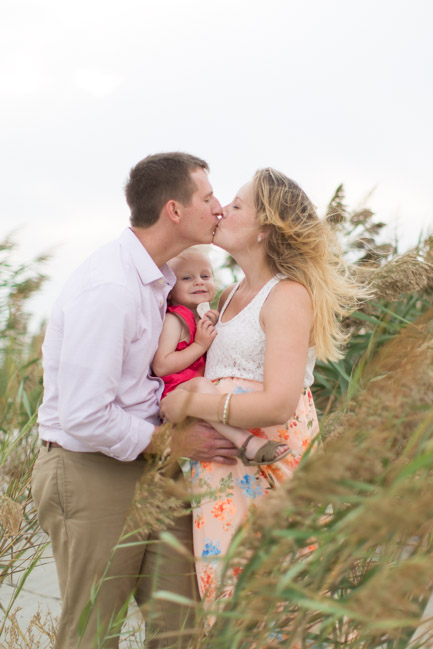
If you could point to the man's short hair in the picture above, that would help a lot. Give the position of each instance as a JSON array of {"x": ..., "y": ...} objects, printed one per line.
[{"x": 157, "y": 179}]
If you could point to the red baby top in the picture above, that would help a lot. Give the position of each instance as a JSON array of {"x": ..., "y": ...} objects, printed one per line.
[{"x": 171, "y": 381}]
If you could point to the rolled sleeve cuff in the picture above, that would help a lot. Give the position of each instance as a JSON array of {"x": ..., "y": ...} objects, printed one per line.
[{"x": 130, "y": 447}]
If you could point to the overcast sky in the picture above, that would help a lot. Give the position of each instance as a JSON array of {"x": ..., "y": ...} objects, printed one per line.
[{"x": 326, "y": 91}]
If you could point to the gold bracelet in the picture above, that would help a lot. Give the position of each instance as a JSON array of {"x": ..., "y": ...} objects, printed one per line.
[
  {"x": 218, "y": 407},
  {"x": 226, "y": 409}
]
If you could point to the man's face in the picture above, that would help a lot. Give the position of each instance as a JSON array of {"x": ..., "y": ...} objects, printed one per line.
[{"x": 200, "y": 218}]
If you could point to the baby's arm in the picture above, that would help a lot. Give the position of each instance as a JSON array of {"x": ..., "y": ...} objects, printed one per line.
[{"x": 169, "y": 361}]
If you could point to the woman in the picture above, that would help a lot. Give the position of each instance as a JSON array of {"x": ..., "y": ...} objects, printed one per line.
[{"x": 272, "y": 326}]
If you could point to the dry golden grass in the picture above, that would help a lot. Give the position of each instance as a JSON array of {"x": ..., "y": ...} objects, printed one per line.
[
  {"x": 40, "y": 633},
  {"x": 343, "y": 552},
  {"x": 408, "y": 273},
  {"x": 342, "y": 555}
]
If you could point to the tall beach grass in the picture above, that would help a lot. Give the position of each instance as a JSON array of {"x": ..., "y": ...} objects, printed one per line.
[{"x": 340, "y": 556}]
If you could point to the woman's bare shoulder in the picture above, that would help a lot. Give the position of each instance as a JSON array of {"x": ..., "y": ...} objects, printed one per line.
[
  {"x": 288, "y": 295},
  {"x": 287, "y": 287}
]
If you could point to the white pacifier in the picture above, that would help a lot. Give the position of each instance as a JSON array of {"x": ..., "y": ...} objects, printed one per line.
[{"x": 203, "y": 308}]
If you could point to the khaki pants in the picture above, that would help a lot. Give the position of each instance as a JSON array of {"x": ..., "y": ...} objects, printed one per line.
[{"x": 82, "y": 501}]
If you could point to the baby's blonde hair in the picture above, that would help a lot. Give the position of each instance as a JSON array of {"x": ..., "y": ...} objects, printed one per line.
[
  {"x": 304, "y": 249},
  {"x": 199, "y": 249}
]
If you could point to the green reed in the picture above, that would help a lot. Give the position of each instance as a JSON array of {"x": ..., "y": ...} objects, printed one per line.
[{"x": 341, "y": 556}]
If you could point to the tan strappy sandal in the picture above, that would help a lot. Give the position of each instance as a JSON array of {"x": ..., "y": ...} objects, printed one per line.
[{"x": 264, "y": 455}]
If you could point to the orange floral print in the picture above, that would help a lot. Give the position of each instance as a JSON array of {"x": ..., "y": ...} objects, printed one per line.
[
  {"x": 199, "y": 521},
  {"x": 222, "y": 509},
  {"x": 225, "y": 496},
  {"x": 206, "y": 466},
  {"x": 208, "y": 582},
  {"x": 258, "y": 432}
]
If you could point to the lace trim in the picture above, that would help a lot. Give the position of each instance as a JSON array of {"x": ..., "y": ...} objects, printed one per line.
[{"x": 239, "y": 348}]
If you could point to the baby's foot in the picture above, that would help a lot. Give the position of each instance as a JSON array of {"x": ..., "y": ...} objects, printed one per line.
[
  {"x": 256, "y": 443},
  {"x": 256, "y": 450}
]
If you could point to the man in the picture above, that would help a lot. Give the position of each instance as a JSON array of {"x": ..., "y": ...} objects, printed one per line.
[{"x": 100, "y": 409}]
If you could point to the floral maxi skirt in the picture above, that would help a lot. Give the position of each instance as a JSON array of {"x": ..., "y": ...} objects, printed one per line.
[{"x": 224, "y": 496}]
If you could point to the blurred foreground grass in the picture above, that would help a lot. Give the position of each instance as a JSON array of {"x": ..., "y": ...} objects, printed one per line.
[{"x": 342, "y": 554}]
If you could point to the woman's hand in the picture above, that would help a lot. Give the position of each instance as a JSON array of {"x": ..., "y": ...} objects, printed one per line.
[{"x": 173, "y": 406}]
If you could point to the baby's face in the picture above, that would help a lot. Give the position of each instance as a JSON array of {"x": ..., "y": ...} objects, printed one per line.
[{"x": 195, "y": 282}]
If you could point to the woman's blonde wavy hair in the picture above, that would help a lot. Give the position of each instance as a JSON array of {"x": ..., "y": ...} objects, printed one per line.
[{"x": 304, "y": 249}]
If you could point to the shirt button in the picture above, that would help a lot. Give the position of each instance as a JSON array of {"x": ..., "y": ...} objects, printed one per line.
[{"x": 161, "y": 282}]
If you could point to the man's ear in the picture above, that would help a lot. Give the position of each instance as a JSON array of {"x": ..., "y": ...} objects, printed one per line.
[{"x": 173, "y": 211}]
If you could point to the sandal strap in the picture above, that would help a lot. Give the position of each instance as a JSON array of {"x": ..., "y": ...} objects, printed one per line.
[
  {"x": 243, "y": 449},
  {"x": 266, "y": 453}
]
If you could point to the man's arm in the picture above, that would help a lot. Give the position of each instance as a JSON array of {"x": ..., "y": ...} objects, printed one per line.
[{"x": 98, "y": 325}]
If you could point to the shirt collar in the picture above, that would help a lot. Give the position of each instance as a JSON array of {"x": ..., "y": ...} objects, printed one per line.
[{"x": 148, "y": 271}]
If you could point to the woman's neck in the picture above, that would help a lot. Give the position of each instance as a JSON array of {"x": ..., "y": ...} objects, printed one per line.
[
  {"x": 256, "y": 276},
  {"x": 257, "y": 272}
]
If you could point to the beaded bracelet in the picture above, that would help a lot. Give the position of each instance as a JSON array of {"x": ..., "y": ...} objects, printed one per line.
[
  {"x": 226, "y": 408},
  {"x": 221, "y": 399}
]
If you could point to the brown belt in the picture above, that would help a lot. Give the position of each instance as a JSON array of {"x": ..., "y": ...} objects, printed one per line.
[{"x": 50, "y": 444}]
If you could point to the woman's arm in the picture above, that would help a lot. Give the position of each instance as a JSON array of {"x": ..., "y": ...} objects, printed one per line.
[
  {"x": 287, "y": 318},
  {"x": 169, "y": 361}
]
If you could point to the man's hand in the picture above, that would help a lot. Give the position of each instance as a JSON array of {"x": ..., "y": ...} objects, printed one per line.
[{"x": 199, "y": 441}]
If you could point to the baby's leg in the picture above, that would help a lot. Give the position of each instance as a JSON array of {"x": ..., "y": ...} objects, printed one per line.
[{"x": 236, "y": 435}]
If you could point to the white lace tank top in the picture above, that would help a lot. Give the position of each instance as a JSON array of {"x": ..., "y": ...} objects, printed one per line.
[{"x": 239, "y": 348}]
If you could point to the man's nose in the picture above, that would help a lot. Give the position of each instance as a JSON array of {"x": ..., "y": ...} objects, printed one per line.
[{"x": 217, "y": 208}]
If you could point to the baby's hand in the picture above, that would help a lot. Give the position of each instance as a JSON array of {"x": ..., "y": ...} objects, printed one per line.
[
  {"x": 212, "y": 315},
  {"x": 205, "y": 333},
  {"x": 204, "y": 311}
]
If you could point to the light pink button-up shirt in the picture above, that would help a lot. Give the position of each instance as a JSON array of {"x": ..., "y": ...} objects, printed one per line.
[{"x": 99, "y": 393}]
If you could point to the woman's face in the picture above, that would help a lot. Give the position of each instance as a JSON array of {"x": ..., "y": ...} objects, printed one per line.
[{"x": 238, "y": 227}]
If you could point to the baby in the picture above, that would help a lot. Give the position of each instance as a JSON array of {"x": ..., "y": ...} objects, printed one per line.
[
  {"x": 186, "y": 336},
  {"x": 187, "y": 333}
]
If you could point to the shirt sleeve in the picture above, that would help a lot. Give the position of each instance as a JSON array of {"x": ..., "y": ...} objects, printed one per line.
[{"x": 98, "y": 325}]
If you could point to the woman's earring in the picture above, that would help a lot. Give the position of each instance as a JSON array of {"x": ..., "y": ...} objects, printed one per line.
[{"x": 259, "y": 238}]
